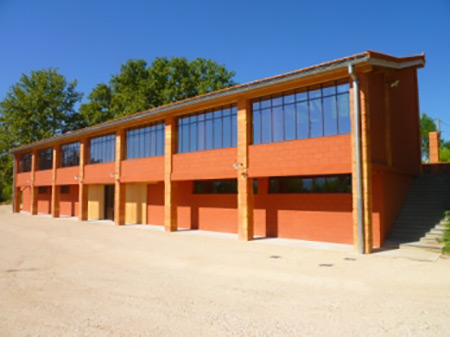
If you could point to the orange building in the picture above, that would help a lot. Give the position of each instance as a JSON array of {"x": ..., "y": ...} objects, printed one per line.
[{"x": 325, "y": 153}]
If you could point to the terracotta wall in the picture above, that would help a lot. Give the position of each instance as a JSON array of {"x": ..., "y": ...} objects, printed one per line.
[
  {"x": 67, "y": 175},
  {"x": 405, "y": 122},
  {"x": 68, "y": 204},
  {"x": 213, "y": 164},
  {"x": 23, "y": 179},
  {"x": 26, "y": 198},
  {"x": 99, "y": 173},
  {"x": 155, "y": 204},
  {"x": 324, "y": 155},
  {"x": 319, "y": 217},
  {"x": 143, "y": 169},
  {"x": 44, "y": 201},
  {"x": 43, "y": 178}
]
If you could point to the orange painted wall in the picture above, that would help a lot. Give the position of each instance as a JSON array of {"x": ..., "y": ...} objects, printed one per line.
[
  {"x": 206, "y": 211},
  {"x": 68, "y": 204},
  {"x": 44, "y": 201},
  {"x": 143, "y": 169},
  {"x": 322, "y": 155},
  {"x": 155, "y": 204},
  {"x": 213, "y": 164},
  {"x": 405, "y": 135},
  {"x": 394, "y": 188},
  {"x": 26, "y": 199},
  {"x": 43, "y": 178},
  {"x": 66, "y": 175},
  {"x": 319, "y": 217},
  {"x": 99, "y": 173},
  {"x": 377, "y": 118},
  {"x": 23, "y": 179}
]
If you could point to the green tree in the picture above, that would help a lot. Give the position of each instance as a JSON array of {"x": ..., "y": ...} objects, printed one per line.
[
  {"x": 40, "y": 105},
  {"x": 139, "y": 87},
  {"x": 444, "y": 151},
  {"x": 427, "y": 125}
]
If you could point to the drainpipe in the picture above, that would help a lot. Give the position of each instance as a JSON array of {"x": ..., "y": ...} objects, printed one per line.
[{"x": 357, "y": 154}]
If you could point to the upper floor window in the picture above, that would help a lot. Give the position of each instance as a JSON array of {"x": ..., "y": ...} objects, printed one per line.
[
  {"x": 315, "y": 111},
  {"x": 102, "y": 149},
  {"x": 45, "y": 159},
  {"x": 25, "y": 162},
  {"x": 315, "y": 184},
  {"x": 209, "y": 130},
  {"x": 70, "y": 154},
  {"x": 147, "y": 141}
]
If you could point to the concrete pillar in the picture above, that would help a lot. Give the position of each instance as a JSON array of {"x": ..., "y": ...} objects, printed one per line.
[
  {"x": 245, "y": 184},
  {"x": 366, "y": 157},
  {"x": 55, "y": 188},
  {"x": 366, "y": 166},
  {"x": 119, "y": 190},
  {"x": 82, "y": 188},
  {"x": 33, "y": 189},
  {"x": 434, "y": 147},
  {"x": 170, "y": 199}
]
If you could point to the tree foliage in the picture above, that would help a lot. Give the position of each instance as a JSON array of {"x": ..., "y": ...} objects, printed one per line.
[
  {"x": 427, "y": 125},
  {"x": 139, "y": 87},
  {"x": 38, "y": 106}
]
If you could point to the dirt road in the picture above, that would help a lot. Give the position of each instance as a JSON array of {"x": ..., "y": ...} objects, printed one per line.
[{"x": 60, "y": 277}]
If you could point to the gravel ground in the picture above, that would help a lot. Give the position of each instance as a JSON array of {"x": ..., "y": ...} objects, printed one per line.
[{"x": 60, "y": 277}]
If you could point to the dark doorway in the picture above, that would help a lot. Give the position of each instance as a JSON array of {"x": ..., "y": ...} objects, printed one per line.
[{"x": 109, "y": 202}]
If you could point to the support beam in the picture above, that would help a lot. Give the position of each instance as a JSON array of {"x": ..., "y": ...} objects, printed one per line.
[
  {"x": 119, "y": 190},
  {"x": 170, "y": 199},
  {"x": 55, "y": 188},
  {"x": 82, "y": 188},
  {"x": 245, "y": 185},
  {"x": 433, "y": 144},
  {"x": 366, "y": 158},
  {"x": 33, "y": 189}
]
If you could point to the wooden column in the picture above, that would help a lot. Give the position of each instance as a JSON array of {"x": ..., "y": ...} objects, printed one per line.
[
  {"x": 433, "y": 143},
  {"x": 366, "y": 158},
  {"x": 170, "y": 199},
  {"x": 119, "y": 190},
  {"x": 245, "y": 186},
  {"x": 16, "y": 190},
  {"x": 55, "y": 188},
  {"x": 82, "y": 188},
  {"x": 33, "y": 189}
]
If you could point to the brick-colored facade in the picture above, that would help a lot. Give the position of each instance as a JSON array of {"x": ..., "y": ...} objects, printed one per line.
[{"x": 390, "y": 154}]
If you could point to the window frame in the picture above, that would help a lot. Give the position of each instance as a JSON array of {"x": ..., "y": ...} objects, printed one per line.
[
  {"x": 282, "y": 182},
  {"x": 69, "y": 147},
  {"x": 101, "y": 147},
  {"x": 48, "y": 163},
  {"x": 149, "y": 137}
]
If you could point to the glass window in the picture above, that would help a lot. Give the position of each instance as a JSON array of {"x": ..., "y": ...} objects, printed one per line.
[
  {"x": 45, "y": 159},
  {"x": 146, "y": 141},
  {"x": 70, "y": 154},
  {"x": 317, "y": 184},
  {"x": 102, "y": 149},
  {"x": 64, "y": 189},
  {"x": 208, "y": 130},
  {"x": 223, "y": 186},
  {"x": 25, "y": 162},
  {"x": 320, "y": 110},
  {"x": 43, "y": 190}
]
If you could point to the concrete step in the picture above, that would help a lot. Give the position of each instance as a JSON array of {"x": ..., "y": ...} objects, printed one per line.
[
  {"x": 420, "y": 246},
  {"x": 431, "y": 242},
  {"x": 433, "y": 236}
]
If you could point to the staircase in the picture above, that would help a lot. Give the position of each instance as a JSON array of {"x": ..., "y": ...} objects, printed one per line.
[{"x": 421, "y": 222}]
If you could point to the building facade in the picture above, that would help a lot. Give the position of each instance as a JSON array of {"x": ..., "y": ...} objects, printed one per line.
[{"x": 325, "y": 153}]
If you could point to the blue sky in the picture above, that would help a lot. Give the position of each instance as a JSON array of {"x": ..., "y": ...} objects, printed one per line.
[{"x": 89, "y": 40}]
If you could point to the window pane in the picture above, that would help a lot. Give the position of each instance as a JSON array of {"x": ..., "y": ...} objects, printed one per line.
[
  {"x": 329, "y": 90},
  {"x": 227, "y": 131},
  {"x": 278, "y": 123},
  {"x": 315, "y": 118},
  {"x": 201, "y": 133},
  {"x": 209, "y": 134},
  {"x": 343, "y": 88},
  {"x": 234, "y": 128},
  {"x": 314, "y": 93},
  {"x": 266, "y": 126},
  {"x": 289, "y": 122},
  {"x": 193, "y": 134},
  {"x": 330, "y": 115},
  {"x": 217, "y": 133},
  {"x": 256, "y": 127},
  {"x": 344, "y": 113},
  {"x": 265, "y": 103},
  {"x": 301, "y": 96},
  {"x": 302, "y": 120}
]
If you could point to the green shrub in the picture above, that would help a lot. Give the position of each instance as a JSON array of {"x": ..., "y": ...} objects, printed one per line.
[{"x": 446, "y": 238}]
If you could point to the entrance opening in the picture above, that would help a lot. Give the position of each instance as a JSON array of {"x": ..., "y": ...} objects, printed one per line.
[{"x": 109, "y": 202}]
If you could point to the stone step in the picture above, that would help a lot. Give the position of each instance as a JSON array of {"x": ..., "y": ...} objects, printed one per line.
[
  {"x": 420, "y": 246},
  {"x": 433, "y": 236},
  {"x": 431, "y": 242}
]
